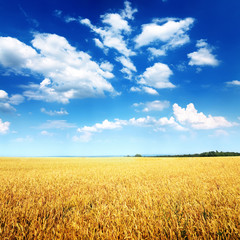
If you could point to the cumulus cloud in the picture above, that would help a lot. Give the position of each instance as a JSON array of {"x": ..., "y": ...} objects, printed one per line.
[
  {"x": 115, "y": 32},
  {"x": 86, "y": 132},
  {"x": 107, "y": 66},
  {"x": 69, "y": 19},
  {"x": 157, "y": 76},
  {"x": 172, "y": 32},
  {"x": 144, "y": 89},
  {"x": 98, "y": 43},
  {"x": 190, "y": 116},
  {"x": 6, "y": 102},
  {"x": 128, "y": 66},
  {"x": 150, "y": 90},
  {"x": 234, "y": 83},
  {"x": 157, "y": 52},
  {"x": 61, "y": 112},
  {"x": 4, "y": 127},
  {"x": 15, "y": 54},
  {"x": 135, "y": 89},
  {"x": 153, "y": 106},
  {"x": 183, "y": 120},
  {"x": 105, "y": 125},
  {"x": 126, "y": 62},
  {"x": 156, "y": 124},
  {"x": 203, "y": 56},
  {"x": 6, "y": 107},
  {"x": 15, "y": 99},
  {"x": 68, "y": 73},
  {"x": 128, "y": 11},
  {"x": 116, "y": 22},
  {"x": 112, "y": 33},
  {"x": 110, "y": 39},
  {"x": 3, "y": 94}
]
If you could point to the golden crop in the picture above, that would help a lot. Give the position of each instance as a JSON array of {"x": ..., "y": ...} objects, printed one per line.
[{"x": 120, "y": 198}]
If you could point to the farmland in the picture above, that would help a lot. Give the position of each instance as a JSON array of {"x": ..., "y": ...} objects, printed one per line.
[{"x": 120, "y": 198}]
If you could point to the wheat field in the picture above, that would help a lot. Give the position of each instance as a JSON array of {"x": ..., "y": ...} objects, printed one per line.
[{"x": 120, "y": 198}]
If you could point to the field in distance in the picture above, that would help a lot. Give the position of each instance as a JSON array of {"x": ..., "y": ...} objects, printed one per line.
[{"x": 120, "y": 198}]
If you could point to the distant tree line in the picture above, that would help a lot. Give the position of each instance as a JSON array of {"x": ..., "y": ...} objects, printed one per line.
[{"x": 206, "y": 154}]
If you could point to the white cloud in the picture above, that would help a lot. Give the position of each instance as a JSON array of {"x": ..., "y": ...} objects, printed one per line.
[
  {"x": 116, "y": 22},
  {"x": 153, "y": 106},
  {"x": 234, "y": 83},
  {"x": 126, "y": 62},
  {"x": 127, "y": 73},
  {"x": 46, "y": 133},
  {"x": 181, "y": 67},
  {"x": 156, "y": 124},
  {"x": 156, "y": 106},
  {"x": 16, "y": 99},
  {"x": 157, "y": 52},
  {"x": 111, "y": 37},
  {"x": 69, "y": 19},
  {"x": 68, "y": 73},
  {"x": 6, "y": 102},
  {"x": 148, "y": 90},
  {"x": 184, "y": 118},
  {"x": 47, "y": 93},
  {"x": 128, "y": 11},
  {"x": 128, "y": 66},
  {"x": 98, "y": 43},
  {"x": 190, "y": 116},
  {"x": 106, "y": 66},
  {"x": 115, "y": 29},
  {"x": 57, "y": 124},
  {"x": 15, "y": 54},
  {"x": 135, "y": 89},
  {"x": 172, "y": 32},
  {"x": 3, "y": 94},
  {"x": 87, "y": 132},
  {"x": 157, "y": 76},
  {"x": 61, "y": 112},
  {"x": 202, "y": 43},
  {"x": 114, "y": 34},
  {"x": 98, "y": 127},
  {"x": 6, "y": 107},
  {"x": 4, "y": 127},
  {"x": 204, "y": 56},
  {"x": 84, "y": 137},
  {"x": 143, "y": 121},
  {"x": 171, "y": 123}
]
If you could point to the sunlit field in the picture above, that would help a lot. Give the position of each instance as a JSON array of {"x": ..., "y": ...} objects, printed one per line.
[{"x": 120, "y": 198}]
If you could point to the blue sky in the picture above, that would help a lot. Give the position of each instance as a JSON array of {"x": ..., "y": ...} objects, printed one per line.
[{"x": 89, "y": 78}]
